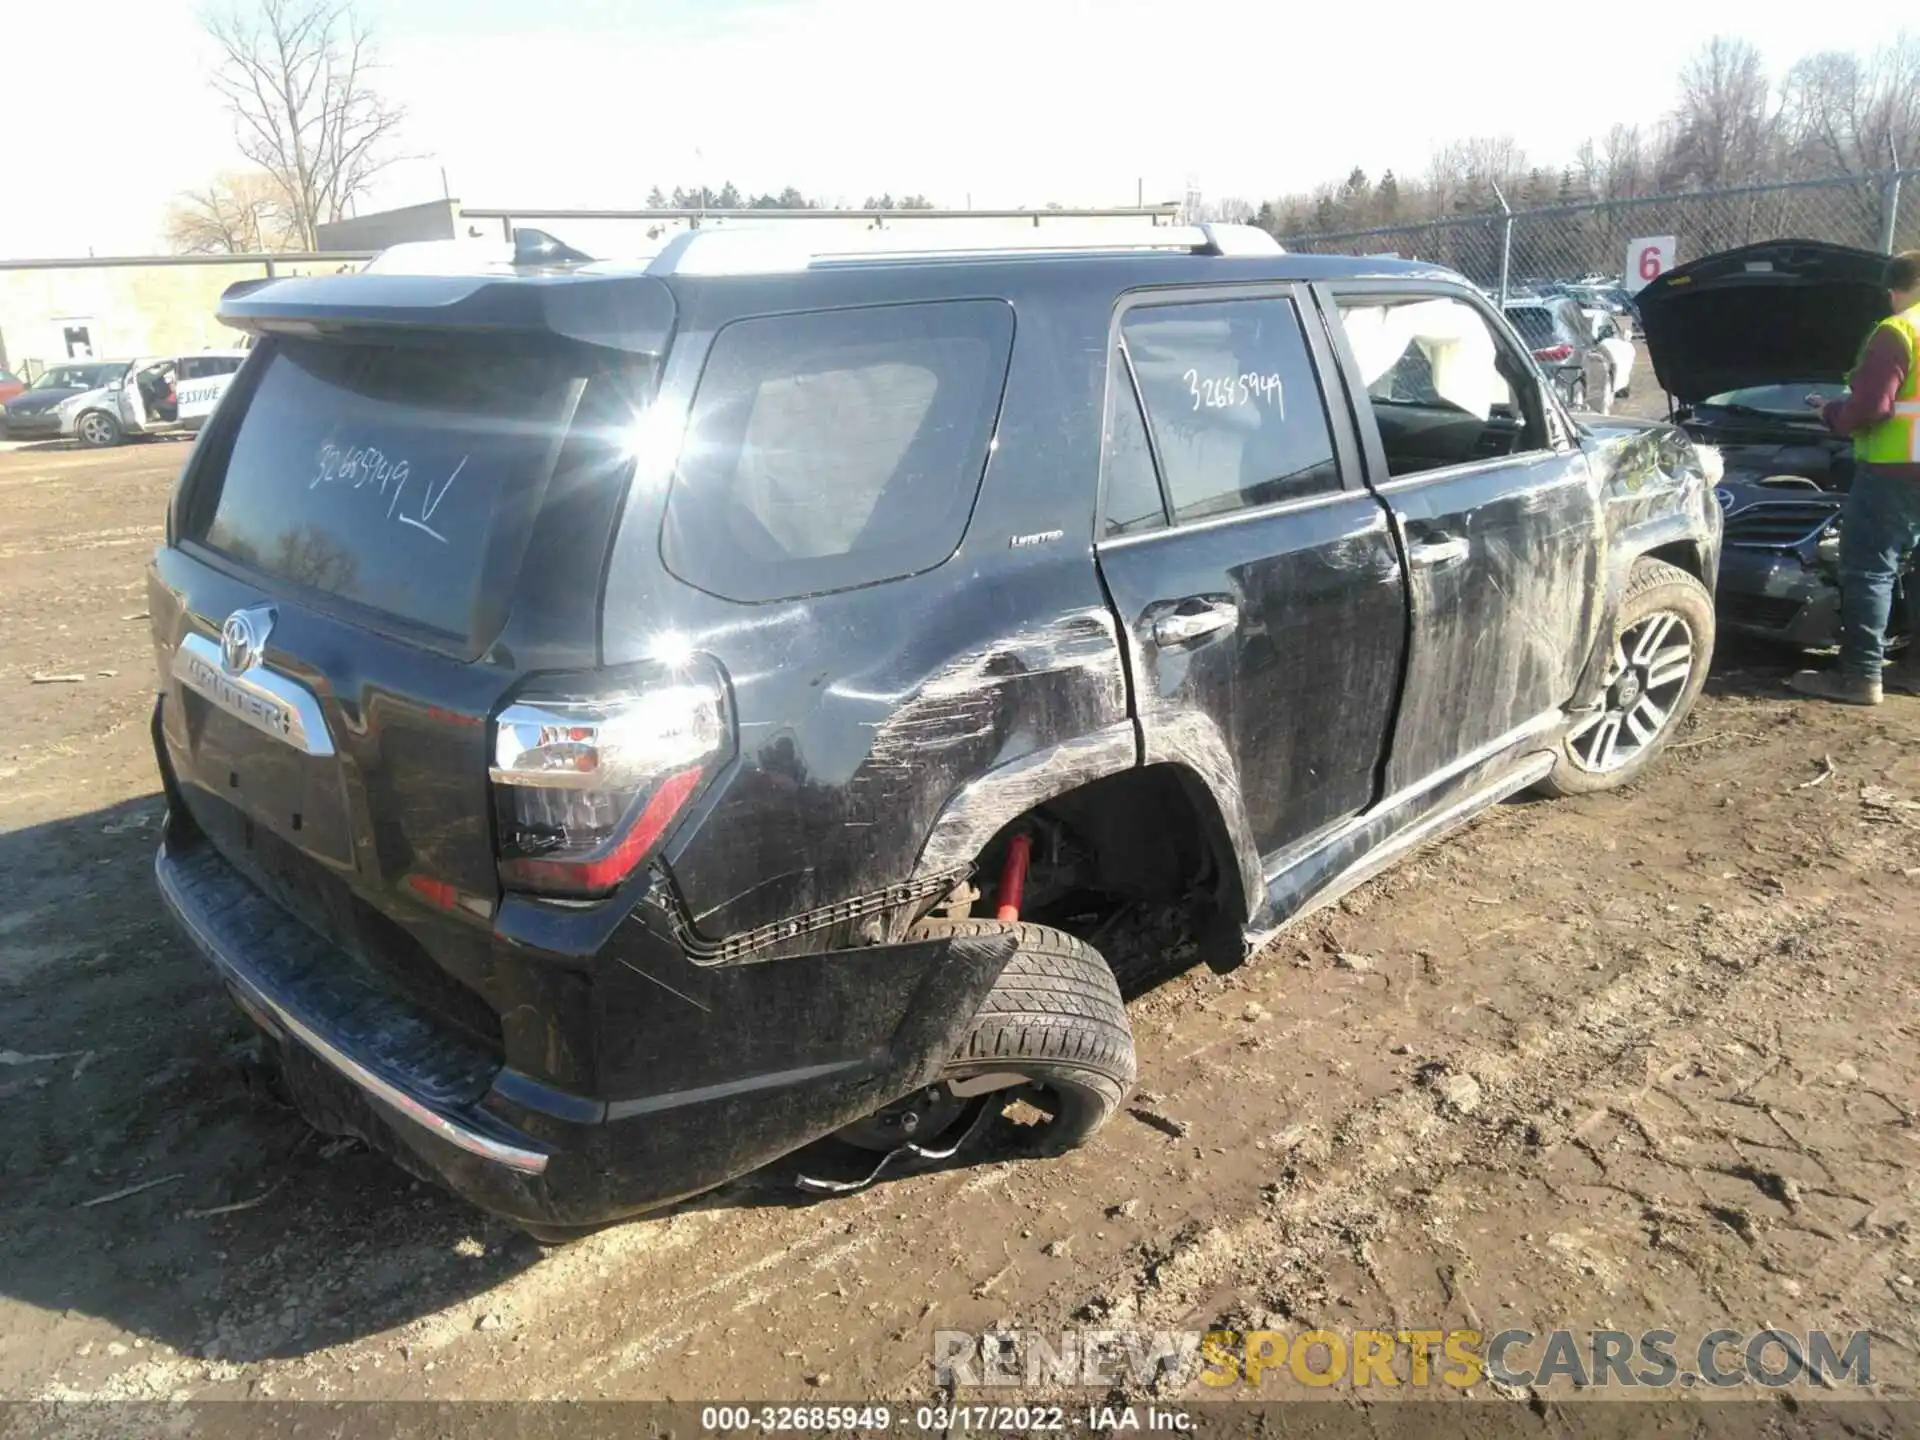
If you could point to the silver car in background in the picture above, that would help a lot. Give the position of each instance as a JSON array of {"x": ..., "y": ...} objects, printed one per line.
[{"x": 101, "y": 402}]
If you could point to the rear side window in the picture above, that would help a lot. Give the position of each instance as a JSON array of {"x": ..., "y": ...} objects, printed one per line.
[
  {"x": 203, "y": 367},
  {"x": 837, "y": 448},
  {"x": 1234, "y": 404},
  {"x": 1535, "y": 325},
  {"x": 392, "y": 477}
]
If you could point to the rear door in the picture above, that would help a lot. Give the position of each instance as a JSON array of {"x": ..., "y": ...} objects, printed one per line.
[
  {"x": 1498, "y": 510},
  {"x": 1257, "y": 578}
]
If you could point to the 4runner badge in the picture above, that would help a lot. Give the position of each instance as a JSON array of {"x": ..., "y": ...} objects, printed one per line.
[{"x": 243, "y": 639}]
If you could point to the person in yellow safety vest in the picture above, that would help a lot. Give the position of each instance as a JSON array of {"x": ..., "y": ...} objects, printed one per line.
[{"x": 1880, "y": 522}]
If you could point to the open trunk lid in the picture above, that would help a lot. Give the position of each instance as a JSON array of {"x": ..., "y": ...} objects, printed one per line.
[{"x": 1780, "y": 312}]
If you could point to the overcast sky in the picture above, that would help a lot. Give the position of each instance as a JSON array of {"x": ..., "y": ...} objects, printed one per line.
[{"x": 1003, "y": 102}]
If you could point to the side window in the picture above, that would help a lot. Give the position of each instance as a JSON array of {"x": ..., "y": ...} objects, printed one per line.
[
  {"x": 835, "y": 448},
  {"x": 1442, "y": 387},
  {"x": 1234, "y": 403},
  {"x": 1133, "y": 490}
]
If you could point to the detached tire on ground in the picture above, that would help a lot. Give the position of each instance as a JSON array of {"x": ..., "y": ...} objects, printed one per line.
[
  {"x": 1662, "y": 646},
  {"x": 1054, "y": 1016}
]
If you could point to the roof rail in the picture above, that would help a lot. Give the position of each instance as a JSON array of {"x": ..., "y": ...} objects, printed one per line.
[{"x": 776, "y": 249}]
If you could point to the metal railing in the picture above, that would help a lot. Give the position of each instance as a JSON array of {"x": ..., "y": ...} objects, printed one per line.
[
  {"x": 1501, "y": 249},
  {"x": 270, "y": 261},
  {"x": 509, "y": 218}
]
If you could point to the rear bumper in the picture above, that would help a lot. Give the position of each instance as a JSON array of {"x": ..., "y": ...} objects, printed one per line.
[
  {"x": 295, "y": 999},
  {"x": 772, "y": 1055}
]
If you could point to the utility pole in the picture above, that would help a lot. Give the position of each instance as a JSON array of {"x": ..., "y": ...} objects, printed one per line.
[
  {"x": 1890, "y": 203},
  {"x": 1506, "y": 243}
]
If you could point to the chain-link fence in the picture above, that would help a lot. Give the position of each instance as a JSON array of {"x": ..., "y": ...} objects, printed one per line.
[{"x": 1503, "y": 250}]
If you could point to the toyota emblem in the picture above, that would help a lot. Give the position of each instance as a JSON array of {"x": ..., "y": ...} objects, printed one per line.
[{"x": 244, "y": 637}]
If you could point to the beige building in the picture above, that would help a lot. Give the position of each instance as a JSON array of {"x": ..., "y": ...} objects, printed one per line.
[{"x": 122, "y": 309}]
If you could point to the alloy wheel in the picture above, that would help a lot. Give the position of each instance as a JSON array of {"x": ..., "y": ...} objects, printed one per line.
[
  {"x": 1652, "y": 663},
  {"x": 94, "y": 429}
]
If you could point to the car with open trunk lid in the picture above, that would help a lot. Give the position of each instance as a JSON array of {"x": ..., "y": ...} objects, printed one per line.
[{"x": 1743, "y": 342}]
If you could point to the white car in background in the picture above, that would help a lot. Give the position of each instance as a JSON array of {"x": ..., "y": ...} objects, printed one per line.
[
  {"x": 155, "y": 395},
  {"x": 1614, "y": 335}
]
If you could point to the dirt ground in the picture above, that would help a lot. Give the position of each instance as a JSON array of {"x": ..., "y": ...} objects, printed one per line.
[{"x": 1640, "y": 1060}]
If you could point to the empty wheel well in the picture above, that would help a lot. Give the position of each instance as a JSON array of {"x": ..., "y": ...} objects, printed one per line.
[
  {"x": 1148, "y": 839},
  {"x": 1682, "y": 555}
]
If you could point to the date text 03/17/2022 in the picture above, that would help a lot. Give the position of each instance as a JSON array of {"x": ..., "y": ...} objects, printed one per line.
[{"x": 943, "y": 1419}]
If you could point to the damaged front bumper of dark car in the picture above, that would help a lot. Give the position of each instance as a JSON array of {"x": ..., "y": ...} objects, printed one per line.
[{"x": 1779, "y": 563}]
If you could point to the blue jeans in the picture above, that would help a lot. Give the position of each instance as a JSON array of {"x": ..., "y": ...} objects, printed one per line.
[{"x": 1879, "y": 528}]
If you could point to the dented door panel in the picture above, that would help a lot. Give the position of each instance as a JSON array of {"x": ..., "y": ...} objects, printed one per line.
[
  {"x": 1503, "y": 566},
  {"x": 1503, "y": 553},
  {"x": 1293, "y": 702}
]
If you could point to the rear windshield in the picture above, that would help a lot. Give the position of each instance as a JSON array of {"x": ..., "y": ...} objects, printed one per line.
[
  {"x": 385, "y": 475},
  {"x": 1535, "y": 325},
  {"x": 836, "y": 448}
]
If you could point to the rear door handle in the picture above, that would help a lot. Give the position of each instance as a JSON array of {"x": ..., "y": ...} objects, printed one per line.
[
  {"x": 1183, "y": 627},
  {"x": 1440, "y": 552}
]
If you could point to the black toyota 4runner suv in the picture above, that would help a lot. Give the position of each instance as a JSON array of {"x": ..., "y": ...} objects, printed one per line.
[{"x": 622, "y": 724}]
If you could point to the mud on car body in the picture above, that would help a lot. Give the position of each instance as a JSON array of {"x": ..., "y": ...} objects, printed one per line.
[
  {"x": 1739, "y": 341},
  {"x": 622, "y": 724}
]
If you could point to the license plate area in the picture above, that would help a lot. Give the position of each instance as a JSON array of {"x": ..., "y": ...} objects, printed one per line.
[{"x": 299, "y": 797}]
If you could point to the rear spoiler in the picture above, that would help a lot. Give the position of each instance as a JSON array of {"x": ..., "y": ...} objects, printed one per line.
[{"x": 629, "y": 313}]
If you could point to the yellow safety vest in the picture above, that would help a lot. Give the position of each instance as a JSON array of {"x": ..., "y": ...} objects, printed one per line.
[{"x": 1896, "y": 440}]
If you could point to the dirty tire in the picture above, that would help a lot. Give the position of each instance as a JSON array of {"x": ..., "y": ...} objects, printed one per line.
[
  {"x": 1654, "y": 588},
  {"x": 1055, "y": 1015},
  {"x": 554, "y": 1236},
  {"x": 97, "y": 430}
]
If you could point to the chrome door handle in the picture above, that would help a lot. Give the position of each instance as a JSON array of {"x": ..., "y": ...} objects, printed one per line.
[
  {"x": 1185, "y": 626},
  {"x": 1439, "y": 552}
]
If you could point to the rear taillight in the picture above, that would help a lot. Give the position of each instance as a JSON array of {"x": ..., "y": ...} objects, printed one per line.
[
  {"x": 1553, "y": 352},
  {"x": 588, "y": 779}
]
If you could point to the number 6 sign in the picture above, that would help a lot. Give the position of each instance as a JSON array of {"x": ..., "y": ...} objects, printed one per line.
[{"x": 1648, "y": 258}]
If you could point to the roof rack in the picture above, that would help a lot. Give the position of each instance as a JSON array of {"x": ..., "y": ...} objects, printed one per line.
[{"x": 777, "y": 249}]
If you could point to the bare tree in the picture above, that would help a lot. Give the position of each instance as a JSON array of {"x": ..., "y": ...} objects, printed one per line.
[
  {"x": 297, "y": 79},
  {"x": 1724, "y": 123},
  {"x": 1228, "y": 209},
  {"x": 1848, "y": 115},
  {"x": 1462, "y": 173},
  {"x": 240, "y": 213}
]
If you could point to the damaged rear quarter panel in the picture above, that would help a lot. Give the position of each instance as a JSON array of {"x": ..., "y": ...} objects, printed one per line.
[{"x": 862, "y": 713}]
